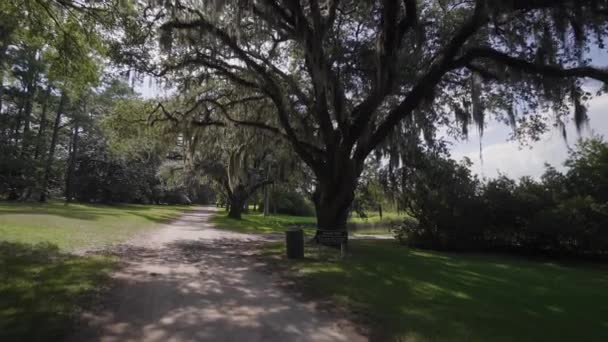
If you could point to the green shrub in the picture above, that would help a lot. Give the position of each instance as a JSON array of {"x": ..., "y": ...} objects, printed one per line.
[
  {"x": 560, "y": 214},
  {"x": 409, "y": 232},
  {"x": 289, "y": 203}
]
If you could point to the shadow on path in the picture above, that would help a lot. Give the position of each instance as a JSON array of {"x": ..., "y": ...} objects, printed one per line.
[{"x": 190, "y": 282}]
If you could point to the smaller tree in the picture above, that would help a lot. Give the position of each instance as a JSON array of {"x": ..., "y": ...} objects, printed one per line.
[
  {"x": 238, "y": 172},
  {"x": 238, "y": 160},
  {"x": 443, "y": 196},
  {"x": 588, "y": 169}
]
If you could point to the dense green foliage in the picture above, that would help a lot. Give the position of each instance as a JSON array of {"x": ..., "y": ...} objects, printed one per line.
[
  {"x": 58, "y": 103},
  {"x": 562, "y": 213},
  {"x": 413, "y": 295},
  {"x": 282, "y": 201},
  {"x": 50, "y": 59},
  {"x": 342, "y": 80}
]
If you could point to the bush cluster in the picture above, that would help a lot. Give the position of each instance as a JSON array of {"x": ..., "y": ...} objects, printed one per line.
[
  {"x": 562, "y": 213},
  {"x": 289, "y": 203}
]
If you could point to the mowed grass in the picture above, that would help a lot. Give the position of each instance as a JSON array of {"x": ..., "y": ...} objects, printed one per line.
[
  {"x": 413, "y": 295},
  {"x": 42, "y": 284},
  {"x": 374, "y": 218},
  {"x": 42, "y": 289},
  {"x": 79, "y": 226},
  {"x": 256, "y": 223}
]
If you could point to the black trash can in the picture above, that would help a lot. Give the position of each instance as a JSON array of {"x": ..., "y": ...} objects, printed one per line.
[{"x": 294, "y": 243}]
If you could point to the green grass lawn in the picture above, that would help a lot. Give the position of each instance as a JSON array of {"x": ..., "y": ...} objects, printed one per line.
[
  {"x": 374, "y": 218},
  {"x": 77, "y": 226},
  {"x": 413, "y": 295},
  {"x": 258, "y": 224},
  {"x": 42, "y": 285},
  {"x": 42, "y": 289}
]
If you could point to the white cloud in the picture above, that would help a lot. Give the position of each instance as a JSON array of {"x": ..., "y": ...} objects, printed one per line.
[
  {"x": 500, "y": 155},
  {"x": 149, "y": 88}
]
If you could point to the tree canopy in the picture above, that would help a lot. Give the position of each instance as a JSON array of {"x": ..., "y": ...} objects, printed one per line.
[{"x": 346, "y": 78}]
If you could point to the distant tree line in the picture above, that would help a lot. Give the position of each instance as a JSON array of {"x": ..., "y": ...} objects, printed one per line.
[
  {"x": 60, "y": 111},
  {"x": 561, "y": 213}
]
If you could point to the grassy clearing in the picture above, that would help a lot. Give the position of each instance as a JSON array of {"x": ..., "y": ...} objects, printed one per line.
[
  {"x": 414, "y": 295},
  {"x": 42, "y": 286},
  {"x": 374, "y": 218},
  {"x": 77, "y": 226},
  {"x": 256, "y": 223}
]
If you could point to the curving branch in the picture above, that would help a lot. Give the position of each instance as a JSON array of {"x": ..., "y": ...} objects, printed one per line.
[
  {"x": 527, "y": 5},
  {"x": 270, "y": 86},
  {"x": 530, "y": 67},
  {"x": 391, "y": 40},
  {"x": 260, "y": 125},
  {"x": 426, "y": 84}
]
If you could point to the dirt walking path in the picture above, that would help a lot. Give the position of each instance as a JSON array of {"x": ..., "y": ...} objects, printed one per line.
[{"x": 191, "y": 282}]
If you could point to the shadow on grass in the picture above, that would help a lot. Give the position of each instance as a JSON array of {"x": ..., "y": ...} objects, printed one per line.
[
  {"x": 418, "y": 295},
  {"x": 42, "y": 288}
]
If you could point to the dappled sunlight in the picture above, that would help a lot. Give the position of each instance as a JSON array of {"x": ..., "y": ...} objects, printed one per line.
[
  {"x": 192, "y": 282},
  {"x": 431, "y": 291},
  {"x": 157, "y": 213},
  {"x": 422, "y": 295},
  {"x": 41, "y": 284},
  {"x": 429, "y": 255},
  {"x": 209, "y": 298},
  {"x": 79, "y": 226}
]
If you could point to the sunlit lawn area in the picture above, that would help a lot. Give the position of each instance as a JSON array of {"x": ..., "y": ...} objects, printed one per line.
[
  {"x": 258, "y": 224},
  {"x": 76, "y": 226},
  {"x": 415, "y": 295},
  {"x": 41, "y": 285},
  {"x": 255, "y": 222},
  {"x": 374, "y": 217}
]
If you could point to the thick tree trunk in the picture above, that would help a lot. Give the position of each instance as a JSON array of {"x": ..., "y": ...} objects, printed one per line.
[
  {"x": 333, "y": 197},
  {"x": 274, "y": 201},
  {"x": 266, "y": 201},
  {"x": 40, "y": 144},
  {"x": 236, "y": 207},
  {"x": 40, "y": 141},
  {"x": 332, "y": 208},
  {"x": 51, "y": 154},
  {"x": 1, "y": 87},
  {"x": 17, "y": 188},
  {"x": 2, "y": 55},
  {"x": 27, "y": 116},
  {"x": 17, "y": 124},
  {"x": 69, "y": 178}
]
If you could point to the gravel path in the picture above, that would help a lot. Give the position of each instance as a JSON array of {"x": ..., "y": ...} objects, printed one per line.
[{"x": 191, "y": 282}]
